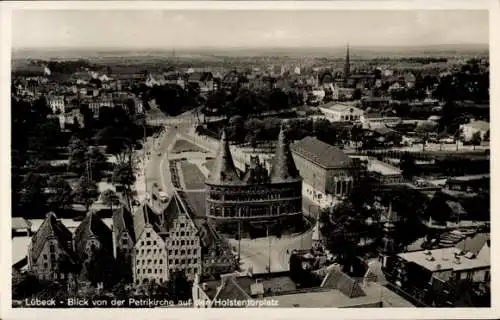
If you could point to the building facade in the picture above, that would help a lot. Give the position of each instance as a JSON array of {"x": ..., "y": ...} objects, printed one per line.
[
  {"x": 48, "y": 245},
  {"x": 166, "y": 241},
  {"x": 256, "y": 194},
  {"x": 341, "y": 112},
  {"x": 326, "y": 170}
]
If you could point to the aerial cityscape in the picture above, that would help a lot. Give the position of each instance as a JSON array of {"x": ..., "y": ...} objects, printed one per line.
[{"x": 288, "y": 162}]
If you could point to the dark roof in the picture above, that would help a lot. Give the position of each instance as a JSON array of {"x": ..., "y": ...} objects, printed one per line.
[
  {"x": 92, "y": 226},
  {"x": 123, "y": 221},
  {"x": 336, "y": 279},
  {"x": 51, "y": 228},
  {"x": 321, "y": 153},
  {"x": 223, "y": 169},
  {"x": 283, "y": 167},
  {"x": 231, "y": 290}
]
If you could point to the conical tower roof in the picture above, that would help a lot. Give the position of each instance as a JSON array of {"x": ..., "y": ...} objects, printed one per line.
[
  {"x": 223, "y": 170},
  {"x": 283, "y": 167}
]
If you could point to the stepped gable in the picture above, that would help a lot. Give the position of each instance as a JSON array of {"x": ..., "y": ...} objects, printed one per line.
[
  {"x": 224, "y": 171},
  {"x": 123, "y": 221},
  {"x": 51, "y": 228},
  {"x": 93, "y": 227},
  {"x": 255, "y": 173},
  {"x": 283, "y": 167}
]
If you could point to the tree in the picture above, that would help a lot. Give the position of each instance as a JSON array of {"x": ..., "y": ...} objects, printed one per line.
[
  {"x": 408, "y": 166},
  {"x": 77, "y": 150},
  {"x": 486, "y": 136},
  {"x": 457, "y": 136},
  {"x": 60, "y": 193},
  {"x": 476, "y": 139},
  {"x": 98, "y": 267},
  {"x": 86, "y": 191},
  {"x": 123, "y": 175},
  {"x": 424, "y": 129},
  {"x": 33, "y": 201},
  {"x": 109, "y": 197},
  {"x": 96, "y": 162}
]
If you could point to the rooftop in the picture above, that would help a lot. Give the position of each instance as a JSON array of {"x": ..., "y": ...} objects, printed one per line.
[
  {"x": 321, "y": 153},
  {"x": 335, "y": 106},
  {"x": 444, "y": 259},
  {"x": 382, "y": 168}
]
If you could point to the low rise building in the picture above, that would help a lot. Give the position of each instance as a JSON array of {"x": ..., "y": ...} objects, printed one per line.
[
  {"x": 333, "y": 290},
  {"x": 469, "y": 259},
  {"x": 374, "y": 120},
  {"x": 56, "y": 104},
  {"x": 335, "y": 112},
  {"x": 327, "y": 172}
]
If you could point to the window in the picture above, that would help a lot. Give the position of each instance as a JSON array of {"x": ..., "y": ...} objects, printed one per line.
[
  {"x": 149, "y": 270},
  {"x": 167, "y": 235},
  {"x": 169, "y": 252},
  {"x": 149, "y": 261},
  {"x": 187, "y": 234},
  {"x": 154, "y": 242},
  {"x": 183, "y": 261},
  {"x": 148, "y": 243},
  {"x": 144, "y": 271},
  {"x": 142, "y": 243},
  {"x": 148, "y": 234},
  {"x": 183, "y": 252},
  {"x": 177, "y": 234},
  {"x": 148, "y": 251},
  {"x": 142, "y": 251},
  {"x": 195, "y": 270},
  {"x": 194, "y": 251},
  {"x": 189, "y": 270},
  {"x": 156, "y": 270},
  {"x": 138, "y": 271},
  {"x": 189, "y": 251},
  {"x": 192, "y": 242},
  {"x": 45, "y": 265},
  {"x": 176, "y": 252},
  {"x": 161, "y": 261},
  {"x": 170, "y": 261},
  {"x": 52, "y": 248},
  {"x": 182, "y": 225},
  {"x": 154, "y": 251},
  {"x": 182, "y": 242},
  {"x": 124, "y": 242},
  {"x": 170, "y": 271},
  {"x": 189, "y": 261},
  {"x": 154, "y": 261},
  {"x": 176, "y": 261},
  {"x": 195, "y": 261},
  {"x": 161, "y": 271},
  {"x": 44, "y": 257},
  {"x": 182, "y": 233}
]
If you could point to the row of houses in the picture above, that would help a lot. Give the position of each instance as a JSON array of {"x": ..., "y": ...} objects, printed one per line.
[{"x": 150, "y": 244}]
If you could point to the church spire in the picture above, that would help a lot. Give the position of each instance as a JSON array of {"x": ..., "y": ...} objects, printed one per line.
[
  {"x": 283, "y": 166},
  {"x": 347, "y": 66},
  {"x": 223, "y": 170},
  {"x": 388, "y": 242}
]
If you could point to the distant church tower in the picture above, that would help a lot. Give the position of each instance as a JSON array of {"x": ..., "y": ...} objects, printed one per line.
[{"x": 347, "y": 67}]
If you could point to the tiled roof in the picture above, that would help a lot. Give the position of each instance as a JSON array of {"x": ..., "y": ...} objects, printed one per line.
[
  {"x": 123, "y": 221},
  {"x": 323, "y": 154},
  {"x": 92, "y": 226},
  {"x": 51, "y": 227},
  {"x": 223, "y": 169},
  {"x": 336, "y": 279},
  {"x": 283, "y": 167}
]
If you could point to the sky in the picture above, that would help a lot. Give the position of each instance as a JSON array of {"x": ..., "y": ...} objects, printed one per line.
[{"x": 157, "y": 29}]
